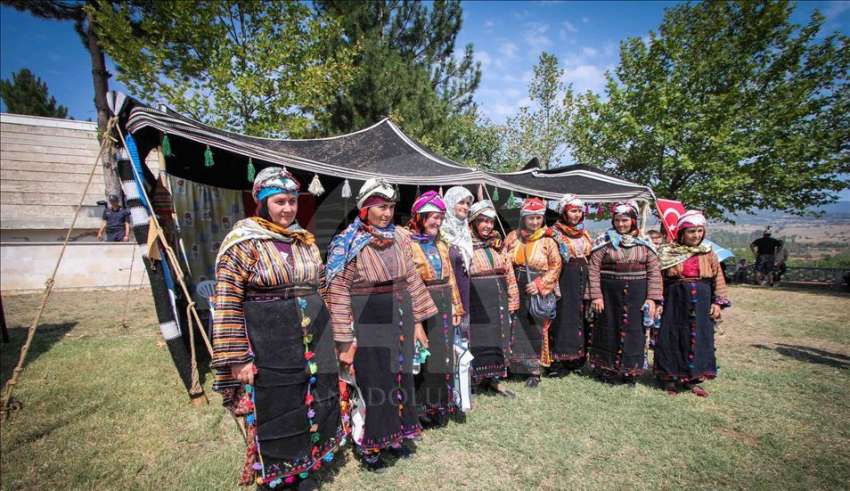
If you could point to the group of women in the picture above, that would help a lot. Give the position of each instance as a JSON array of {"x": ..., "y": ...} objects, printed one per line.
[{"x": 362, "y": 346}]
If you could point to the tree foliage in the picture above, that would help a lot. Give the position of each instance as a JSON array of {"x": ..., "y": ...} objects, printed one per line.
[
  {"x": 540, "y": 130},
  {"x": 263, "y": 68},
  {"x": 24, "y": 93},
  {"x": 729, "y": 107}
]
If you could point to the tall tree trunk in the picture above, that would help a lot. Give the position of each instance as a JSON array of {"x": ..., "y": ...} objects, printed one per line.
[{"x": 100, "y": 78}]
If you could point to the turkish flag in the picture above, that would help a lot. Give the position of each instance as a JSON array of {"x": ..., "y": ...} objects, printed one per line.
[{"x": 670, "y": 211}]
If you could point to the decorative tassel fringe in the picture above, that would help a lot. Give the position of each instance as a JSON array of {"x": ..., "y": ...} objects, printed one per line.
[
  {"x": 480, "y": 192},
  {"x": 441, "y": 190},
  {"x": 495, "y": 195},
  {"x": 316, "y": 188},
  {"x": 208, "y": 157},
  {"x": 346, "y": 189},
  {"x": 166, "y": 146},
  {"x": 511, "y": 202},
  {"x": 252, "y": 172}
]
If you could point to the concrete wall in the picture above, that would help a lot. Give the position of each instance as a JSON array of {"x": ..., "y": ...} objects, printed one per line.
[{"x": 25, "y": 266}]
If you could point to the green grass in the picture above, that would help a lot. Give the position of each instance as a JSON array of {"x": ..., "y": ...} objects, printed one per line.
[{"x": 103, "y": 408}]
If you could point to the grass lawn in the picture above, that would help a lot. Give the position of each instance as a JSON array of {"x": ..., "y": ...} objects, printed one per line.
[{"x": 103, "y": 409}]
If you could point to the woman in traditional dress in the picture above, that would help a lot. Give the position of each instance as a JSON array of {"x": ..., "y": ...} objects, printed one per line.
[
  {"x": 537, "y": 265},
  {"x": 455, "y": 231},
  {"x": 435, "y": 381},
  {"x": 567, "y": 336},
  {"x": 624, "y": 280},
  {"x": 493, "y": 299},
  {"x": 273, "y": 362},
  {"x": 377, "y": 303},
  {"x": 694, "y": 294}
]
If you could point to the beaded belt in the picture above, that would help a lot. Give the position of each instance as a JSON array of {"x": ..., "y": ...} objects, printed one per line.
[{"x": 280, "y": 292}]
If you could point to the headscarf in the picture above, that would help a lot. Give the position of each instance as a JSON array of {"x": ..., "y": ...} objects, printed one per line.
[
  {"x": 532, "y": 207},
  {"x": 261, "y": 229},
  {"x": 274, "y": 180},
  {"x": 346, "y": 245},
  {"x": 569, "y": 201},
  {"x": 674, "y": 253},
  {"x": 455, "y": 230},
  {"x": 566, "y": 203},
  {"x": 690, "y": 218},
  {"x": 429, "y": 202},
  {"x": 632, "y": 238},
  {"x": 483, "y": 208}
]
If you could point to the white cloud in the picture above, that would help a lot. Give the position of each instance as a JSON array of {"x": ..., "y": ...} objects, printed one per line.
[
  {"x": 835, "y": 9},
  {"x": 483, "y": 57},
  {"x": 569, "y": 27},
  {"x": 535, "y": 35},
  {"x": 586, "y": 77},
  {"x": 508, "y": 49},
  {"x": 585, "y": 20},
  {"x": 589, "y": 52},
  {"x": 488, "y": 24}
]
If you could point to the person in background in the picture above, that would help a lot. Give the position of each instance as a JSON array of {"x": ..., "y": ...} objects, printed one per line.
[
  {"x": 779, "y": 265},
  {"x": 741, "y": 274},
  {"x": 764, "y": 250},
  {"x": 656, "y": 237},
  {"x": 116, "y": 221}
]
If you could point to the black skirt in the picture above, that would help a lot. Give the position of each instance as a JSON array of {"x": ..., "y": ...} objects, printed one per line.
[
  {"x": 684, "y": 346},
  {"x": 384, "y": 327},
  {"x": 435, "y": 381},
  {"x": 618, "y": 339},
  {"x": 296, "y": 409},
  {"x": 568, "y": 330},
  {"x": 528, "y": 333},
  {"x": 490, "y": 327}
]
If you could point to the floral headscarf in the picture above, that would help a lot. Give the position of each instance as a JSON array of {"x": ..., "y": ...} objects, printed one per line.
[
  {"x": 274, "y": 180},
  {"x": 455, "y": 230}
]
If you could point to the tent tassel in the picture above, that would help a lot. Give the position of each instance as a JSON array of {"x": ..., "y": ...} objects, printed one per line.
[
  {"x": 511, "y": 202},
  {"x": 441, "y": 190},
  {"x": 315, "y": 187},
  {"x": 208, "y": 157},
  {"x": 252, "y": 172},
  {"x": 346, "y": 189},
  {"x": 480, "y": 192},
  {"x": 166, "y": 146},
  {"x": 495, "y": 195}
]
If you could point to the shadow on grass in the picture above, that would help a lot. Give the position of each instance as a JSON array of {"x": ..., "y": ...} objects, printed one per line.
[
  {"x": 809, "y": 355},
  {"x": 819, "y": 289},
  {"x": 44, "y": 430},
  {"x": 45, "y": 337}
]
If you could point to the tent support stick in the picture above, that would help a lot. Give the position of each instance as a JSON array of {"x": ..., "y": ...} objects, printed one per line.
[
  {"x": 499, "y": 220},
  {"x": 9, "y": 388},
  {"x": 129, "y": 285}
]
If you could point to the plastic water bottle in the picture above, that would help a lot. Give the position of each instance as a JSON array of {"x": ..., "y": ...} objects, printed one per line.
[
  {"x": 648, "y": 321},
  {"x": 417, "y": 363}
]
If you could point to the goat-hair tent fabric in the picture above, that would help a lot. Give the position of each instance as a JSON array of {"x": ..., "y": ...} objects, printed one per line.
[{"x": 381, "y": 150}]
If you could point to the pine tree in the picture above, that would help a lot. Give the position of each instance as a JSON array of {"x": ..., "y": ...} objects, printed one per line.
[{"x": 24, "y": 93}]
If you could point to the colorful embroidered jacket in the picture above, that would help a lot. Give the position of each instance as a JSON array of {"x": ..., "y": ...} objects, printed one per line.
[
  {"x": 427, "y": 273},
  {"x": 252, "y": 263},
  {"x": 637, "y": 261},
  {"x": 372, "y": 266},
  {"x": 487, "y": 261},
  {"x": 540, "y": 255},
  {"x": 708, "y": 267}
]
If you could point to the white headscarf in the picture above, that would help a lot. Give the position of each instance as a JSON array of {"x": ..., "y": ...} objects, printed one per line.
[{"x": 454, "y": 230}]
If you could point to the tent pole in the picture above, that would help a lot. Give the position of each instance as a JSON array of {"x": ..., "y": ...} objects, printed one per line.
[
  {"x": 9, "y": 388},
  {"x": 498, "y": 220}
]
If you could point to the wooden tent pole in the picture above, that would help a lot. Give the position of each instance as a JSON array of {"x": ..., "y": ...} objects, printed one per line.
[
  {"x": 9, "y": 388},
  {"x": 499, "y": 220}
]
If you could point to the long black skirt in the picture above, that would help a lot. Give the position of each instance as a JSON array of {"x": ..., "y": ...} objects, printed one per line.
[
  {"x": 684, "y": 346},
  {"x": 435, "y": 381},
  {"x": 568, "y": 331},
  {"x": 529, "y": 337},
  {"x": 383, "y": 364},
  {"x": 490, "y": 327},
  {"x": 618, "y": 339},
  {"x": 296, "y": 388}
]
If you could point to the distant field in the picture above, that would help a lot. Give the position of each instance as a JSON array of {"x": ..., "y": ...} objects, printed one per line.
[{"x": 103, "y": 409}]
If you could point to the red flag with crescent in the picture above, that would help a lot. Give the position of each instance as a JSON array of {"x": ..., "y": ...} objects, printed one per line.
[{"x": 670, "y": 211}]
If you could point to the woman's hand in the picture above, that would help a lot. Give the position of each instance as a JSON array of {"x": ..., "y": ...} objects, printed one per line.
[
  {"x": 598, "y": 305},
  {"x": 346, "y": 353},
  {"x": 531, "y": 288},
  {"x": 658, "y": 311},
  {"x": 650, "y": 304},
  {"x": 419, "y": 335},
  {"x": 243, "y": 372},
  {"x": 456, "y": 320},
  {"x": 714, "y": 312}
]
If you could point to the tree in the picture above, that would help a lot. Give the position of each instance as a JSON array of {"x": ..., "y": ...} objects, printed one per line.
[
  {"x": 79, "y": 12},
  {"x": 540, "y": 131},
  {"x": 407, "y": 68},
  {"x": 25, "y": 93},
  {"x": 263, "y": 68},
  {"x": 728, "y": 108}
]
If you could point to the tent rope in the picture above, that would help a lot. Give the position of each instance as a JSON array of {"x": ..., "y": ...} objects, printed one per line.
[
  {"x": 498, "y": 220},
  {"x": 9, "y": 388},
  {"x": 196, "y": 390},
  {"x": 129, "y": 286}
]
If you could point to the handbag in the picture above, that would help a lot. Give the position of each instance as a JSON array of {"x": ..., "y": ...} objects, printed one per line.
[{"x": 541, "y": 307}]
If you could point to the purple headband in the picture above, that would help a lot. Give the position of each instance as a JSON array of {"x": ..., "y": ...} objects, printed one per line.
[{"x": 430, "y": 201}]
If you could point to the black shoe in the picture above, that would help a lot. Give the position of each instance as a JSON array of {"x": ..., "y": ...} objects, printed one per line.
[
  {"x": 532, "y": 381},
  {"x": 308, "y": 484},
  {"x": 378, "y": 466},
  {"x": 401, "y": 452}
]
